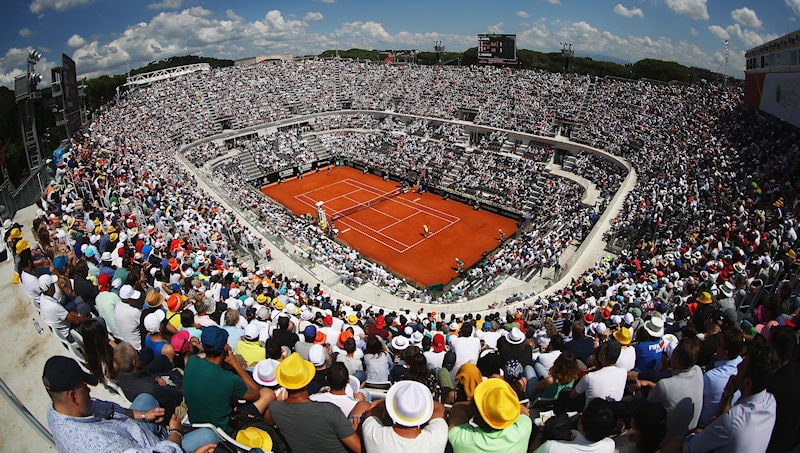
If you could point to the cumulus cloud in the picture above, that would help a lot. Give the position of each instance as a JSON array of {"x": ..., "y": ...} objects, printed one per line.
[
  {"x": 553, "y": 2},
  {"x": 191, "y": 31},
  {"x": 165, "y": 4},
  {"x": 794, "y": 5},
  {"x": 26, "y": 32},
  {"x": 694, "y": 31},
  {"x": 496, "y": 28},
  {"x": 523, "y": 14},
  {"x": 39, "y": 6},
  {"x": 313, "y": 16},
  {"x": 76, "y": 41},
  {"x": 746, "y": 17},
  {"x": 13, "y": 64},
  {"x": 719, "y": 32},
  {"x": 625, "y": 12},
  {"x": 694, "y": 9},
  {"x": 369, "y": 29}
]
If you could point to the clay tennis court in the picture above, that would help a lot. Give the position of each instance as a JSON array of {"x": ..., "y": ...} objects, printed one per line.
[{"x": 391, "y": 231}]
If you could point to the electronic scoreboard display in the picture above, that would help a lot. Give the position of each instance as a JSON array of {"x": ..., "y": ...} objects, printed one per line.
[{"x": 497, "y": 49}]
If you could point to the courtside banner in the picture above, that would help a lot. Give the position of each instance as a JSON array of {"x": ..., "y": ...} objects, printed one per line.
[{"x": 781, "y": 97}]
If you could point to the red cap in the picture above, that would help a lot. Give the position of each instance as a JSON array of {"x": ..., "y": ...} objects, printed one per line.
[
  {"x": 328, "y": 320},
  {"x": 588, "y": 318},
  {"x": 380, "y": 322},
  {"x": 605, "y": 313},
  {"x": 438, "y": 343}
]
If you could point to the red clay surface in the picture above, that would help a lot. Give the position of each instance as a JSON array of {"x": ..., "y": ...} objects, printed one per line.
[{"x": 391, "y": 232}]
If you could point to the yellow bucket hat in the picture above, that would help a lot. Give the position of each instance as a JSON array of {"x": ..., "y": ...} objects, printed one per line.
[
  {"x": 497, "y": 403},
  {"x": 295, "y": 372},
  {"x": 254, "y": 438}
]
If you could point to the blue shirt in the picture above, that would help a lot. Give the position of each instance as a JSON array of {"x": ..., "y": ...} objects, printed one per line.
[
  {"x": 648, "y": 355},
  {"x": 107, "y": 429},
  {"x": 714, "y": 381}
]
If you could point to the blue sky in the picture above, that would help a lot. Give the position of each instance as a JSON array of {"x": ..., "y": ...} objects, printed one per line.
[{"x": 105, "y": 36}]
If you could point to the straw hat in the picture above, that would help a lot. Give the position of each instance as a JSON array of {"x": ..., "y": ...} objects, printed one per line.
[
  {"x": 497, "y": 403},
  {"x": 409, "y": 403},
  {"x": 294, "y": 372},
  {"x": 623, "y": 335},
  {"x": 655, "y": 326},
  {"x": 704, "y": 298},
  {"x": 254, "y": 438}
]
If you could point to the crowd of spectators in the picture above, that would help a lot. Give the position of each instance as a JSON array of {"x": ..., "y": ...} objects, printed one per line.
[{"x": 692, "y": 325}]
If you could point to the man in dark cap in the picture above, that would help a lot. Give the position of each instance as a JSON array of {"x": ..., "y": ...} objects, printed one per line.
[
  {"x": 210, "y": 384},
  {"x": 82, "y": 424}
]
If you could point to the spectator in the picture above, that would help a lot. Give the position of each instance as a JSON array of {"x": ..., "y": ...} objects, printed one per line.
[
  {"x": 80, "y": 423},
  {"x": 135, "y": 380},
  {"x": 782, "y": 386},
  {"x": 595, "y": 425},
  {"x": 580, "y": 345},
  {"x": 682, "y": 393},
  {"x": 342, "y": 394},
  {"x": 606, "y": 382},
  {"x": 211, "y": 383},
  {"x": 746, "y": 425},
  {"x": 395, "y": 424},
  {"x": 714, "y": 380},
  {"x": 331, "y": 431},
  {"x": 501, "y": 423}
]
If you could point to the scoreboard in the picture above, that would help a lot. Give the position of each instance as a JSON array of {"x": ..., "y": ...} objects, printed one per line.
[{"x": 497, "y": 49}]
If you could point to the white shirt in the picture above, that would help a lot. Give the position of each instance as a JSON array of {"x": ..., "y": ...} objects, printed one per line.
[
  {"x": 54, "y": 315},
  {"x": 627, "y": 358},
  {"x": 607, "y": 382},
  {"x": 343, "y": 402},
  {"x": 579, "y": 444},
  {"x": 31, "y": 285},
  {"x": 126, "y": 318},
  {"x": 383, "y": 439},
  {"x": 547, "y": 359},
  {"x": 467, "y": 349},
  {"x": 434, "y": 359}
]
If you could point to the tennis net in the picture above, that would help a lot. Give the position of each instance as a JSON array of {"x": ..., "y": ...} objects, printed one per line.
[{"x": 365, "y": 205}]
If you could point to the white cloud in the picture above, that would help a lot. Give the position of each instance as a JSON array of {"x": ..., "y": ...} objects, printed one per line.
[
  {"x": 553, "y": 2},
  {"x": 13, "y": 64},
  {"x": 625, "y": 12},
  {"x": 230, "y": 14},
  {"x": 746, "y": 17},
  {"x": 523, "y": 14},
  {"x": 496, "y": 28},
  {"x": 328, "y": 1},
  {"x": 313, "y": 16},
  {"x": 360, "y": 30},
  {"x": 38, "y": 6},
  {"x": 76, "y": 41},
  {"x": 694, "y": 31},
  {"x": 26, "y": 32},
  {"x": 719, "y": 32},
  {"x": 794, "y": 5},
  {"x": 165, "y": 4},
  {"x": 694, "y": 9},
  {"x": 191, "y": 31}
]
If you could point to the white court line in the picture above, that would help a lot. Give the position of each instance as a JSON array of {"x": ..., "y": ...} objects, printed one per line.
[
  {"x": 419, "y": 206},
  {"x": 365, "y": 233},
  {"x": 416, "y": 200}
]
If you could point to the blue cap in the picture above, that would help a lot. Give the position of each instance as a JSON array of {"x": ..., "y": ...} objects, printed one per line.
[
  {"x": 60, "y": 262},
  {"x": 214, "y": 338},
  {"x": 310, "y": 332}
]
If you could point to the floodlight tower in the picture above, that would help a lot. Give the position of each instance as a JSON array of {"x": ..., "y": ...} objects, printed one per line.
[
  {"x": 725, "y": 83},
  {"x": 567, "y": 53},
  {"x": 26, "y": 97},
  {"x": 438, "y": 47}
]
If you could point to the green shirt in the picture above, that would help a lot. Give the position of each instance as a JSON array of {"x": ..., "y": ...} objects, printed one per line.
[
  {"x": 209, "y": 391},
  {"x": 467, "y": 438}
]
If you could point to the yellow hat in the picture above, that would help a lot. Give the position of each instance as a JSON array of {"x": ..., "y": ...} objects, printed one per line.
[
  {"x": 97, "y": 222},
  {"x": 113, "y": 237},
  {"x": 254, "y": 438},
  {"x": 497, "y": 403},
  {"x": 15, "y": 233},
  {"x": 295, "y": 372},
  {"x": 261, "y": 299},
  {"x": 22, "y": 245},
  {"x": 704, "y": 298},
  {"x": 278, "y": 304},
  {"x": 110, "y": 229},
  {"x": 623, "y": 335},
  {"x": 352, "y": 319}
]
